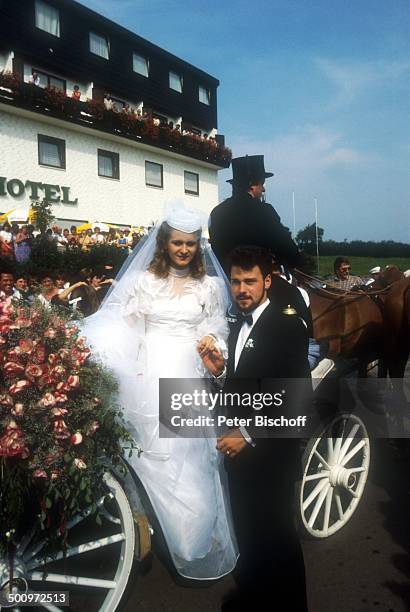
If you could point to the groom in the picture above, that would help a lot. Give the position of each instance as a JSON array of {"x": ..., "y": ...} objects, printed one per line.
[{"x": 267, "y": 342}]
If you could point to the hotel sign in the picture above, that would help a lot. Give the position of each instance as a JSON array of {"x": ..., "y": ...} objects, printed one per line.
[{"x": 37, "y": 191}]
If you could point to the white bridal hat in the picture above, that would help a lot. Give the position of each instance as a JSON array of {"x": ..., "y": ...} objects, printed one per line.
[{"x": 183, "y": 219}]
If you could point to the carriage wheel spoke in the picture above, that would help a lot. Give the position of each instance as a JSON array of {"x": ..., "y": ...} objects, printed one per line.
[
  {"x": 330, "y": 449},
  {"x": 74, "y": 521},
  {"x": 316, "y": 491},
  {"x": 339, "y": 505},
  {"x": 353, "y": 452},
  {"x": 323, "y": 474},
  {"x": 328, "y": 506},
  {"x": 319, "y": 456},
  {"x": 97, "y": 583},
  {"x": 338, "y": 443},
  {"x": 78, "y": 550},
  {"x": 318, "y": 505},
  {"x": 348, "y": 441}
]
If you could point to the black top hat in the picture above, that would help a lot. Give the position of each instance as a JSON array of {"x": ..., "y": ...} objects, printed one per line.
[{"x": 248, "y": 170}]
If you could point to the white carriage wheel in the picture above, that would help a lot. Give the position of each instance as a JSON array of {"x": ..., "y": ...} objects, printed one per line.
[
  {"x": 33, "y": 566},
  {"x": 335, "y": 469}
]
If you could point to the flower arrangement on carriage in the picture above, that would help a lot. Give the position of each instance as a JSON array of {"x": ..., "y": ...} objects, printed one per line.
[{"x": 60, "y": 431}]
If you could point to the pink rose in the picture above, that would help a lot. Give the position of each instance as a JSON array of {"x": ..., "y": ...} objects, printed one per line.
[
  {"x": 39, "y": 354},
  {"x": 61, "y": 431},
  {"x": 73, "y": 381},
  {"x": 80, "y": 464},
  {"x": 77, "y": 438},
  {"x": 52, "y": 358},
  {"x": 26, "y": 345},
  {"x": 58, "y": 371},
  {"x": 61, "y": 398},
  {"x": 59, "y": 412},
  {"x": 38, "y": 474},
  {"x": 33, "y": 371},
  {"x": 50, "y": 333},
  {"x": 19, "y": 386},
  {"x": 6, "y": 400},
  {"x": 22, "y": 322},
  {"x": 12, "y": 443},
  {"x": 17, "y": 410},
  {"x": 13, "y": 369},
  {"x": 47, "y": 401}
]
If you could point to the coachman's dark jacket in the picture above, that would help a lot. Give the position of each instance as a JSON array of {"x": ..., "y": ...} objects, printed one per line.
[{"x": 243, "y": 221}]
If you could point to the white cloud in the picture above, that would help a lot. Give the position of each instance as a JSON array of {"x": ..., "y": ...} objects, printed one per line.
[{"x": 351, "y": 80}]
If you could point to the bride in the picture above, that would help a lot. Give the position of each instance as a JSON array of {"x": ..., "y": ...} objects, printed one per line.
[{"x": 162, "y": 316}]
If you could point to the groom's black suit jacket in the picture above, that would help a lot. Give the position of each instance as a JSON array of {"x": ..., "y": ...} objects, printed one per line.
[{"x": 261, "y": 477}]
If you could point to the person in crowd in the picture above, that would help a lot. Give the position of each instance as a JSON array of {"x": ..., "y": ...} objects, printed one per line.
[
  {"x": 22, "y": 245},
  {"x": 60, "y": 282},
  {"x": 135, "y": 240},
  {"x": 6, "y": 242},
  {"x": 22, "y": 291},
  {"x": 76, "y": 93},
  {"x": 34, "y": 79},
  {"x": 343, "y": 279},
  {"x": 86, "y": 297},
  {"x": 112, "y": 236},
  {"x": 164, "y": 313},
  {"x": 123, "y": 241},
  {"x": 246, "y": 219},
  {"x": 266, "y": 344},
  {"x": 86, "y": 240},
  {"x": 6, "y": 285},
  {"x": 48, "y": 289},
  {"x": 58, "y": 237},
  {"x": 98, "y": 237},
  {"x": 108, "y": 102}
]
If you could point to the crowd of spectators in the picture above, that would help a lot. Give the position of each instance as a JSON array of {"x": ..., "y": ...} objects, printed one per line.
[
  {"x": 81, "y": 293},
  {"x": 16, "y": 241}
]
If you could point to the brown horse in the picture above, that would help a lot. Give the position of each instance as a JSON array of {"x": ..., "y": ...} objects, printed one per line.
[{"x": 364, "y": 324}]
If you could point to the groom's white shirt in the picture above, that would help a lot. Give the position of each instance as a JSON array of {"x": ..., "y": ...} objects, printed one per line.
[{"x": 246, "y": 330}]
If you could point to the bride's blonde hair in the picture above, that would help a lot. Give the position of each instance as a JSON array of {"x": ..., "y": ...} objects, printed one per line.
[{"x": 161, "y": 262}]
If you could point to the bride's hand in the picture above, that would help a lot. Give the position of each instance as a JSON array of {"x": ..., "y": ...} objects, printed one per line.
[{"x": 205, "y": 345}]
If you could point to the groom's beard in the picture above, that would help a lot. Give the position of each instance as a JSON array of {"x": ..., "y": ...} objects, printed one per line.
[{"x": 252, "y": 306}]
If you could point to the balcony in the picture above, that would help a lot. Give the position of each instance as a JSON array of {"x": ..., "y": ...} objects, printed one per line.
[{"x": 93, "y": 114}]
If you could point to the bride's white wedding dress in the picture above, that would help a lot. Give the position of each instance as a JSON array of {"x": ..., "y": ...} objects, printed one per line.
[{"x": 183, "y": 477}]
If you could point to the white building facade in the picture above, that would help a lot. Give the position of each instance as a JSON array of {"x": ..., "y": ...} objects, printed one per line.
[{"x": 91, "y": 161}]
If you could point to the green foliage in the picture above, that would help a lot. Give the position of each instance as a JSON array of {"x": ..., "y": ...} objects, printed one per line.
[
  {"x": 361, "y": 265},
  {"x": 43, "y": 216},
  {"x": 306, "y": 238}
]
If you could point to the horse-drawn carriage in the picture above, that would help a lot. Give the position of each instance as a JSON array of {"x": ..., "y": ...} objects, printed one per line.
[{"x": 98, "y": 567}]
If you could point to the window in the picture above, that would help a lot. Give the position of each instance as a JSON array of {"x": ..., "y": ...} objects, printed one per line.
[
  {"x": 99, "y": 45},
  {"x": 154, "y": 174},
  {"x": 191, "y": 182},
  {"x": 46, "y": 80},
  {"x": 47, "y": 18},
  {"x": 175, "y": 81},
  {"x": 140, "y": 64},
  {"x": 108, "y": 164},
  {"x": 204, "y": 95},
  {"x": 51, "y": 151}
]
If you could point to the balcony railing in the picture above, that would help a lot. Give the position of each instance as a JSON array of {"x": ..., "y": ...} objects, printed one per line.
[{"x": 93, "y": 114}]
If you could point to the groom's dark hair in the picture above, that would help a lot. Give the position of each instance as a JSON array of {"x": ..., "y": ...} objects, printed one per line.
[{"x": 247, "y": 257}]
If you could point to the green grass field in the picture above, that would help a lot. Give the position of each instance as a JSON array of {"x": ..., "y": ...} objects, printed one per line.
[{"x": 362, "y": 265}]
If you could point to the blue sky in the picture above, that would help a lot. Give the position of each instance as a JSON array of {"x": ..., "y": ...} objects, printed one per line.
[{"x": 320, "y": 87}]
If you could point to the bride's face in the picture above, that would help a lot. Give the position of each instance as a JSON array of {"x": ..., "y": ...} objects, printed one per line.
[{"x": 181, "y": 248}]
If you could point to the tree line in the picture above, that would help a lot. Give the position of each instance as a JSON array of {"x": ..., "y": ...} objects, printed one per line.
[{"x": 306, "y": 240}]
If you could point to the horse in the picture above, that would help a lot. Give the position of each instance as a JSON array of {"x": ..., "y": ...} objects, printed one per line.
[{"x": 364, "y": 324}]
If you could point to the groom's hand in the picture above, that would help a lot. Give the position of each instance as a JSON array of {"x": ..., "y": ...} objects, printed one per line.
[{"x": 231, "y": 443}]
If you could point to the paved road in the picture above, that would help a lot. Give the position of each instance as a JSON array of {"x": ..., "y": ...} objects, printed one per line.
[{"x": 363, "y": 568}]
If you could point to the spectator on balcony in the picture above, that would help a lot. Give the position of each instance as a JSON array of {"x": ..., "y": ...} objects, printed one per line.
[
  {"x": 138, "y": 115},
  {"x": 86, "y": 241},
  {"x": 76, "y": 94},
  {"x": 98, "y": 237},
  {"x": 108, "y": 102},
  {"x": 145, "y": 115},
  {"x": 126, "y": 109},
  {"x": 60, "y": 240},
  {"x": 34, "y": 79},
  {"x": 22, "y": 245}
]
